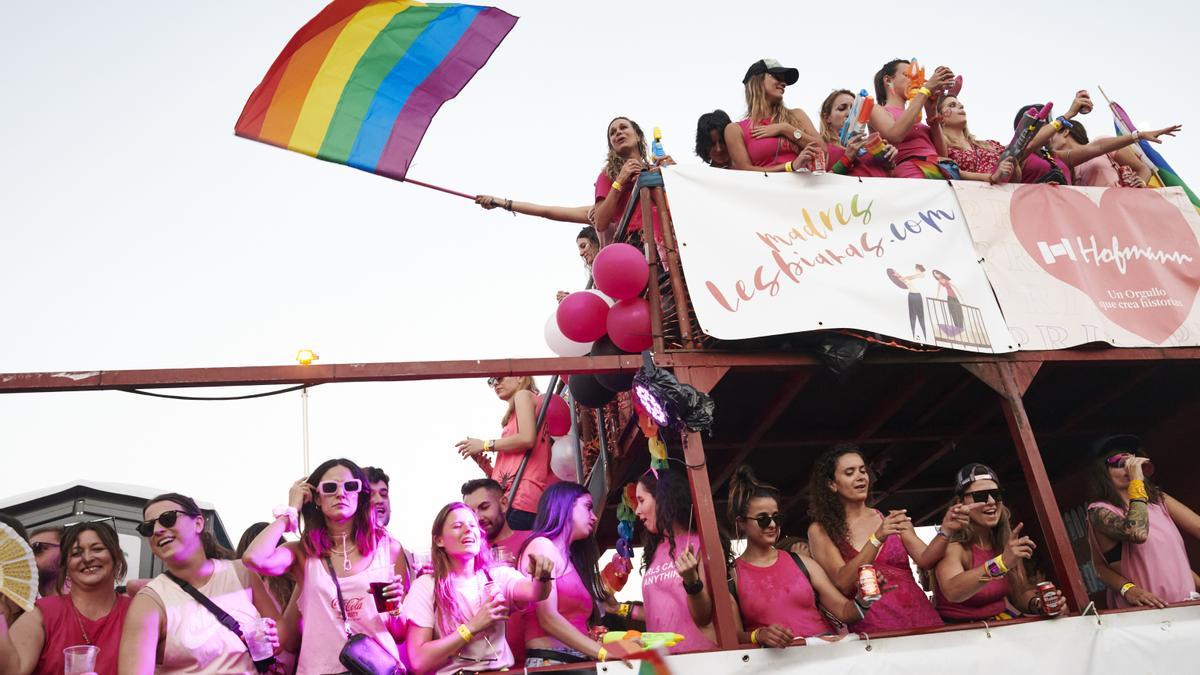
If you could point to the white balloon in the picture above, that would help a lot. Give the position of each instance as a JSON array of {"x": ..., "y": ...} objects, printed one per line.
[
  {"x": 562, "y": 458},
  {"x": 560, "y": 344}
]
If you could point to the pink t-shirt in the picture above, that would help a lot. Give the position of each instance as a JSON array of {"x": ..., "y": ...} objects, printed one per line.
[
  {"x": 1097, "y": 172},
  {"x": 603, "y": 187},
  {"x": 988, "y": 601},
  {"x": 488, "y": 650},
  {"x": 537, "y": 476},
  {"x": 63, "y": 630},
  {"x": 917, "y": 142},
  {"x": 1159, "y": 564},
  {"x": 766, "y": 151},
  {"x": 666, "y": 601},
  {"x": 778, "y": 594}
]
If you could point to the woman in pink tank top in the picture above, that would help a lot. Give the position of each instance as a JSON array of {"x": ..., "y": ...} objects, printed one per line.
[
  {"x": 339, "y": 537},
  {"x": 847, "y": 160},
  {"x": 1136, "y": 526},
  {"x": 561, "y": 629},
  {"x": 772, "y": 137},
  {"x": 846, "y": 533},
  {"x": 90, "y": 613},
  {"x": 779, "y": 595},
  {"x": 517, "y": 438},
  {"x": 984, "y": 569},
  {"x": 897, "y": 118}
]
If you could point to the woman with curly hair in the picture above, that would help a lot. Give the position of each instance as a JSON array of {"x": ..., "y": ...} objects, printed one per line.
[
  {"x": 675, "y": 587},
  {"x": 627, "y": 158},
  {"x": 846, "y": 533}
]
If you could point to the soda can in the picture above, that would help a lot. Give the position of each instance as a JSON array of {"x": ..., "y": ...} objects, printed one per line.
[
  {"x": 1044, "y": 590},
  {"x": 868, "y": 583},
  {"x": 819, "y": 164}
]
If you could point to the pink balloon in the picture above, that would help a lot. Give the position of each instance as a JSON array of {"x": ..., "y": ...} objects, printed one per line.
[
  {"x": 629, "y": 325},
  {"x": 581, "y": 316},
  {"x": 558, "y": 416},
  {"x": 620, "y": 271}
]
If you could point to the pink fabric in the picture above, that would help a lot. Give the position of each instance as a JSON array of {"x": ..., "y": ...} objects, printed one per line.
[
  {"x": 905, "y": 605},
  {"x": 766, "y": 151},
  {"x": 537, "y": 476},
  {"x": 574, "y": 604},
  {"x": 603, "y": 187},
  {"x": 1097, "y": 172},
  {"x": 1036, "y": 166},
  {"x": 1160, "y": 564},
  {"x": 917, "y": 142},
  {"x": 865, "y": 167},
  {"x": 666, "y": 601},
  {"x": 988, "y": 601},
  {"x": 504, "y": 552},
  {"x": 778, "y": 594},
  {"x": 977, "y": 159},
  {"x": 62, "y": 631}
]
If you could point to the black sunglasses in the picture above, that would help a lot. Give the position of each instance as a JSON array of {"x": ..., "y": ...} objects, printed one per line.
[
  {"x": 764, "y": 521},
  {"x": 166, "y": 519},
  {"x": 981, "y": 496},
  {"x": 329, "y": 487},
  {"x": 493, "y": 381},
  {"x": 39, "y": 546}
]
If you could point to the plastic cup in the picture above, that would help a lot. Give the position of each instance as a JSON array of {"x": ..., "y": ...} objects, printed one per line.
[
  {"x": 260, "y": 645},
  {"x": 384, "y": 604},
  {"x": 80, "y": 659}
]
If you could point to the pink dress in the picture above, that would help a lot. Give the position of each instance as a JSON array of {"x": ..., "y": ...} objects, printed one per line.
[
  {"x": 666, "y": 601},
  {"x": 916, "y": 156},
  {"x": 1159, "y": 564},
  {"x": 866, "y": 166},
  {"x": 988, "y": 601},
  {"x": 977, "y": 159},
  {"x": 766, "y": 151},
  {"x": 603, "y": 187},
  {"x": 537, "y": 476},
  {"x": 778, "y": 594},
  {"x": 905, "y": 605}
]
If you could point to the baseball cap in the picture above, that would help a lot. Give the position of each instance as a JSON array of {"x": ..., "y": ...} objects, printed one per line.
[
  {"x": 787, "y": 75},
  {"x": 971, "y": 473}
]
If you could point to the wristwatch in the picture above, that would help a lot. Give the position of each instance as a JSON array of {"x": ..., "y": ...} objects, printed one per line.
[{"x": 797, "y": 134}]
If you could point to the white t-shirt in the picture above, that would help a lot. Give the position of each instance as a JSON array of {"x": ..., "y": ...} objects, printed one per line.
[{"x": 489, "y": 649}]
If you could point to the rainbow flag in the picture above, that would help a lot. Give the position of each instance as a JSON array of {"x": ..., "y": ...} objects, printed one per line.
[
  {"x": 1164, "y": 175},
  {"x": 360, "y": 82}
]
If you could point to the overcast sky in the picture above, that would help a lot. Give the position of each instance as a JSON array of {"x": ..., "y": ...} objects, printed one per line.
[{"x": 137, "y": 232}]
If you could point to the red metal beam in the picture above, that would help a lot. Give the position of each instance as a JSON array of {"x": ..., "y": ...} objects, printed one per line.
[
  {"x": 780, "y": 401},
  {"x": 918, "y": 468},
  {"x": 776, "y": 360}
]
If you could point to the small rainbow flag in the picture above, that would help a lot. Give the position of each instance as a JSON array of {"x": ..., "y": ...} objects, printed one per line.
[
  {"x": 1164, "y": 174},
  {"x": 360, "y": 82}
]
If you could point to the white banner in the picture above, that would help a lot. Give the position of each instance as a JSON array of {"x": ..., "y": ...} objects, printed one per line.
[{"x": 769, "y": 254}]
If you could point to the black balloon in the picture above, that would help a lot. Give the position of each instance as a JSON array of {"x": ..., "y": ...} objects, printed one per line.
[
  {"x": 588, "y": 392},
  {"x": 615, "y": 382}
]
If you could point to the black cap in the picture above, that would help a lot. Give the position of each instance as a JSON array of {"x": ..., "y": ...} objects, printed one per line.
[
  {"x": 787, "y": 75},
  {"x": 971, "y": 473},
  {"x": 1107, "y": 446}
]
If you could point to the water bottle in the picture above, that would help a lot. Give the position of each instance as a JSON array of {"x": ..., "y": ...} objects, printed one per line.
[{"x": 656, "y": 148}]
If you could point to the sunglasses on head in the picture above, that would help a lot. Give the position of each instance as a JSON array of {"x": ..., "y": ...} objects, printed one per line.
[
  {"x": 166, "y": 519},
  {"x": 981, "y": 496},
  {"x": 764, "y": 521},
  {"x": 39, "y": 546},
  {"x": 329, "y": 487}
]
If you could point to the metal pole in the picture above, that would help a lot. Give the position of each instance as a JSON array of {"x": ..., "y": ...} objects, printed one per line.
[
  {"x": 578, "y": 443},
  {"x": 304, "y": 408}
]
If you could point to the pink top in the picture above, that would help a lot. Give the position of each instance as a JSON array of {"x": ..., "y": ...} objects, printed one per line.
[
  {"x": 988, "y": 601},
  {"x": 574, "y": 604},
  {"x": 977, "y": 159},
  {"x": 666, "y": 601},
  {"x": 917, "y": 143},
  {"x": 504, "y": 551},
  {"x": 865, "y": 167},
  {"x": 603, "y": 187},
  {"x": 766, "y": 151},
  {"x": 323, "y": 635},
  {"x": 1160, "y": 564},
  {"x": 537, "y": 476},
  {"x": 62, "y": 631},
  {"x": 778, "y": 594},
  {"x": 1036, "y": 166},
  {"x": 905, "y": 605},
  {"x": 1097, "y": 172}
]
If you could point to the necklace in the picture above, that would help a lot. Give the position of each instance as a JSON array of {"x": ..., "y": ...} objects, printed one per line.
[
  {"x": 345, "y": 553},
  {"x": 79, "y": 621}
]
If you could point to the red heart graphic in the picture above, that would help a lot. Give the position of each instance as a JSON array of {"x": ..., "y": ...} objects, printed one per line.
[{"x": 1103, "y": 251}]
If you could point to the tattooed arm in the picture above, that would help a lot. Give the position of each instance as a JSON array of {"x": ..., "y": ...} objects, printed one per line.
[{"x": 1134, "y": 527}]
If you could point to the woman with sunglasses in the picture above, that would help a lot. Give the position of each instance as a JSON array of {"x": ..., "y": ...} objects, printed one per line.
[
  {"x": 341, "y": 539},
  {"x": 846, "y": 533},
  {"x": 517, "y": 438},
  {"x": 167, "y": 629},
  {"x": 983, "y": 576},
  {"x": 1135, "y": 527},
  {"x": 779, "y": 594},
  {"x": 91, "y": 612},
  {"x": 675, "y": 586},
  {"x": 457, "y": 615}
]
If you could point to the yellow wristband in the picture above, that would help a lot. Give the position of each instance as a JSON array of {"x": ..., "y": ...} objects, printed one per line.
[
  {"x": 1125, "y": 588},
  {"x": 788, "y": 167},
  {"x": 464, "y": 632},
  {"x": 624, "y": 610},
  {"x": 1000, "y": 563},
  {"x": 602, "y": 655},
  {"x": 875, "y": 541},
  {"x": 1137, "y": 490},
  {"x": 1056, "y": 124},
  {"x": 616, "y": 185},
  {"x": 754, "y": 636},
  {"x": 925, "y": 90},
  {"x": 488, "y": 444}
]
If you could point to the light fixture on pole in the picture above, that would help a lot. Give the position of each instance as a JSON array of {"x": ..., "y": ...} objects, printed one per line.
[{"x": 305, "y": 357}]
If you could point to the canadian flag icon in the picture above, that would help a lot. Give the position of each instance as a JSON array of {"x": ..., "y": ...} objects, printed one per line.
[{"x": 1050, "y": 252}]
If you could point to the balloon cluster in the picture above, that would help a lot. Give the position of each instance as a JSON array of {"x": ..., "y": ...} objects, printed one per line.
[
  {"x": 613, "y": 318},
  {"x": 616, "y": 572}
]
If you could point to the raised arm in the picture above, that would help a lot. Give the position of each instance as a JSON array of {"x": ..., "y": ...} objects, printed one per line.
[
  {"x": 21, "y": 646},
  {"x": 1133, "y": 526},
  {"x": 140, "y": 636},
  {"x": 265, "y": 555},
  {"x": 927, "y": 556},
  {"x": 565, "y": 214}
]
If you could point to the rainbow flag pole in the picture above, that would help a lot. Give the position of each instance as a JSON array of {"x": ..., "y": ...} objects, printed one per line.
[
  {"x": 1164, "y": 175},
  {"x": 360, "y": 82}
]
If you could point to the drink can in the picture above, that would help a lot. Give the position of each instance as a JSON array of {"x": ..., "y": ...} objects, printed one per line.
[
  {"x": 384, "y": 604},
  {"x": 868, "y": 582},
  {"x": 819, "y": 163},
  {"x": 1044, "y": 590}
]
